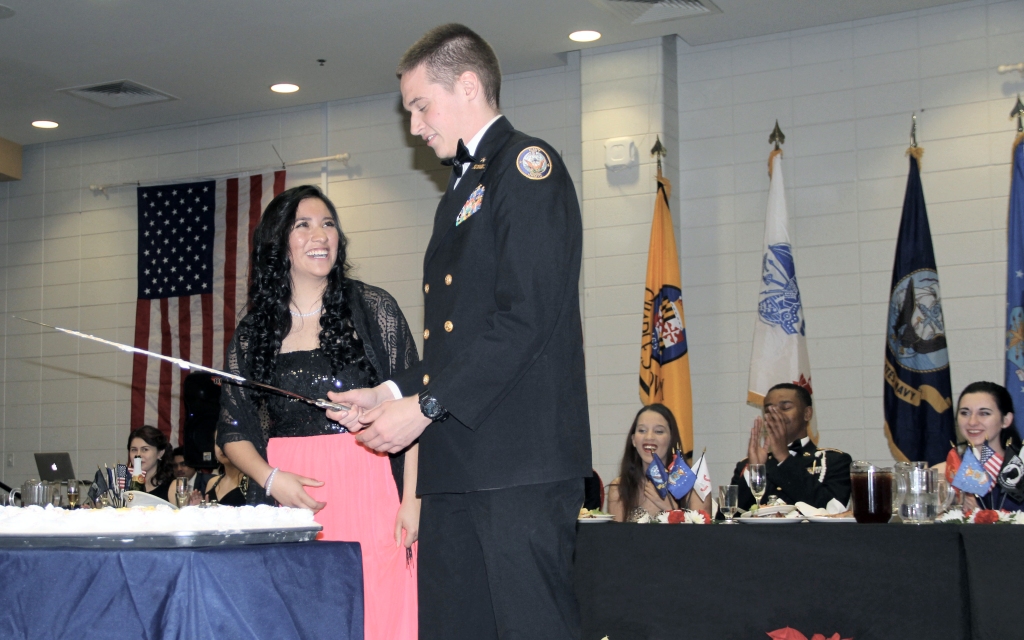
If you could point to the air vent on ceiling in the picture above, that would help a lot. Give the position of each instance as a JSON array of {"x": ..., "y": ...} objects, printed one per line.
[
  {"x": 647, "y": 11},
  {"x": 122, "y": 93}
]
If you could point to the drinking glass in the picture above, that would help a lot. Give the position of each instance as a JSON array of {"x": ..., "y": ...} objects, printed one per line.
[
  {"x": 871, "y": 491},
  {"x": 181, "y": 493},
  {"x": 73, "y": 493},
  {"x": 729, "y": 501},
  {"x": 757, "y": 475}
]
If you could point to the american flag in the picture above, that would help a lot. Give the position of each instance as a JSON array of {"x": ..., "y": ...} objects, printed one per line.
[
  {"x": 193, "y": 266},
  {"x": 992, "y": 461}
]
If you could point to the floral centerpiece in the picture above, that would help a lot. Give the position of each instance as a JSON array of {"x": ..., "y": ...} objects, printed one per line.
[
  {"x": 981, "y": 516},
  {"x": 679, "y": 516}
]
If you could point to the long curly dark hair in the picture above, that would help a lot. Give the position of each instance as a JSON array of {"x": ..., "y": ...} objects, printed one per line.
[
  {"x": 270, "y": 293},
  {"x": 632, "y": 469}
]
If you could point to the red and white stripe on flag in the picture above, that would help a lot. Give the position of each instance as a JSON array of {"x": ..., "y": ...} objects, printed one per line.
[
  {"x": 197, "y": 327},
  {"x": 993, "y": 466}
]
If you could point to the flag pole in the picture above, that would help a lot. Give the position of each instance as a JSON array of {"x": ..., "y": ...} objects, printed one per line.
[
  {"x": 660, "y": 151},
  {"x": 913, "y": 149},
  {"x": 1018, "y": 112},
  {"x": 778, "y": 138}
]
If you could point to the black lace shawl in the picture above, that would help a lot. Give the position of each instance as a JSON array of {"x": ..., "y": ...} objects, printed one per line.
[{"x": 389, "y": 348}]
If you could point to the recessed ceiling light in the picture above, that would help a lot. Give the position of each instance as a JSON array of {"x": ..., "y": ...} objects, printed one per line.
[
  {"x": 584, "y": 36},
  {"x": 45, "y": 124},
  {"x": 284, "y": 87}
]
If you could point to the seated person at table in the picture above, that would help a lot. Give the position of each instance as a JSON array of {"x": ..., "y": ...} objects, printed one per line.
[
  {"x": 151, "y": 445},
  {"x": 984, "y": 417},
  {"x": 797, "y": 470},
  {"x": 230, "y": 486},
  {"x": 632, "y": 495},
  {"x": 196, "y": 480}
]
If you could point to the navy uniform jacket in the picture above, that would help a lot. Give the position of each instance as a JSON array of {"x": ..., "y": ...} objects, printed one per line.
[
  {"x": 814, "y": 476},
  {"x": 503, "y": 340}
]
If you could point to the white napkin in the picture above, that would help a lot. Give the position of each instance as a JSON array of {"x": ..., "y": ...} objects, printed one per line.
[{"x": 833, "y": 507}]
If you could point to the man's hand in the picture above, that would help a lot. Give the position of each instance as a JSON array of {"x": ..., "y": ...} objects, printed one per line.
[
  {"x": 393, "y": 425},
  {"x": 756, "y": 454},
  {"x": 360, "y": 401},
  {"x": 778, "y": 432}
]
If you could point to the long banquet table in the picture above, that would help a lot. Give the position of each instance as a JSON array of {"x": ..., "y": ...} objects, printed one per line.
[
  {"x": 863, "y": 581},
  {"x": 298, "y": 590}
]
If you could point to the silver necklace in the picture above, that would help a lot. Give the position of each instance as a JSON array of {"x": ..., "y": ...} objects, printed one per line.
[{"x": 306, "y": 315}]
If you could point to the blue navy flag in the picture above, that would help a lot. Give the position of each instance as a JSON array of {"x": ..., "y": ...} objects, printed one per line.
[
  {"x": 1014, "y": 378},
  {"x": 918, "y": 395}
]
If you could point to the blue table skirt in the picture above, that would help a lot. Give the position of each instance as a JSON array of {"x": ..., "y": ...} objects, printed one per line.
[{"x": 299, "y": 590}]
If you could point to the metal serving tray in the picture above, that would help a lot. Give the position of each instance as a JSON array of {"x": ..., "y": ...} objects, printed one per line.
[{"x": 177, "y": 539}]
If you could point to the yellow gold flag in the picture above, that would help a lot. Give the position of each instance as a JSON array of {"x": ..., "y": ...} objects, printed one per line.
[{"x": 664, "y": 355}]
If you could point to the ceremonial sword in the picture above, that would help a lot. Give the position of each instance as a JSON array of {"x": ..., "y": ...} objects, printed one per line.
[{"x": 186, "y": 365}]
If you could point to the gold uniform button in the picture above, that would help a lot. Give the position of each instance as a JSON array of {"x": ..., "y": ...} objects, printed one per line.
[
  {"x": 426, "y": 333},
  {"x": 426, "y": 288},
  {"x": 448, "y": 326},
  {"x": 448, "y": 279},
  {"x": 426, "y": 380}
]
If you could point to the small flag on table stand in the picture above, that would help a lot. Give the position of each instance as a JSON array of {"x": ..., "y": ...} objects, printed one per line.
[{"x": 917, "y": 391}]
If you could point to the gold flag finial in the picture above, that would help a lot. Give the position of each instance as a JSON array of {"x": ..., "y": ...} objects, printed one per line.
[{"x": 777, "y": 136}]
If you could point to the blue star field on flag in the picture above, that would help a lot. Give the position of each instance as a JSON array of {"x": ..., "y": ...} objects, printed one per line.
[{"x": 176, "y": 239}]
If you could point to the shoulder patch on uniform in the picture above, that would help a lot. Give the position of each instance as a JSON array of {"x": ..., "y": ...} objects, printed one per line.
[{"x": 534, "y": 163}]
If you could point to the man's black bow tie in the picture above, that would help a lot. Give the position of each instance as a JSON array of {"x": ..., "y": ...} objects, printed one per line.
[
  {"x": 796, "y": 446},
  {"x": 461, "y": 157}
]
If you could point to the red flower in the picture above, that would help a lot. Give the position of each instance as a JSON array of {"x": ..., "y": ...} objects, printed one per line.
[
  {"x": 676, "y": 517},
  {"x": 986, "y": 516},
  {"x": 704, "y": 514}
]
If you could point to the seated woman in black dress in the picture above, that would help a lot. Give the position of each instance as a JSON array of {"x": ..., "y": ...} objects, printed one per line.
[
  {"x": 985, "y": 419},
  {"x": 632, "y": 495},
  {"x": 230, "y": 486},
  {"x": 151, "y": 445}
]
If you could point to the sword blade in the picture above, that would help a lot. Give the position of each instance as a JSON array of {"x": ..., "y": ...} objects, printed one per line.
[{"x": 192, "y": 366}]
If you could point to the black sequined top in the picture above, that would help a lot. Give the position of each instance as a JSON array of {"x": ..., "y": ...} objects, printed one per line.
[
  {"x": 389, "y": 348},
  {"x": 307, "y": 373}
]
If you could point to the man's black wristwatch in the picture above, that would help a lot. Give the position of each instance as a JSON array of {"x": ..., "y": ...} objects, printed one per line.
[{"x": 431, "y": 408}]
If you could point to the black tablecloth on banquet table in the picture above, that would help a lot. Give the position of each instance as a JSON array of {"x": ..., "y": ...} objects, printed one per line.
[
  {"x": 867, "y": 582},
  {"x": 298, "y": 590}
]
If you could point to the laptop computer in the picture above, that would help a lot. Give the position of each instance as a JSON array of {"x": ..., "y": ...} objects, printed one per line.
[{"x": 54, "y": 466}]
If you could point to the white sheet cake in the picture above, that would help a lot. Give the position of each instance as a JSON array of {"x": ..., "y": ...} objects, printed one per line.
[{"x": 38, "y": 520}]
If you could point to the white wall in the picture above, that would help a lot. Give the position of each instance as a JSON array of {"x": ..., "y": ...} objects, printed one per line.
[{"x": 68, "y": 254}]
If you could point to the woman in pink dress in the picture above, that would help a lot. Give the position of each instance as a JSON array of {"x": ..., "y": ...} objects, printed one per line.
[{"x": 311, "y": 329}]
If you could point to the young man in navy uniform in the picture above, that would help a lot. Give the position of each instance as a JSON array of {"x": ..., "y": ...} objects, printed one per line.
[
  {"x": 499, "y": 401},
  {"x": 797, "y": 470}
]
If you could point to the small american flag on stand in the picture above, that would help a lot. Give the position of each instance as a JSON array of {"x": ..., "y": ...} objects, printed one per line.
[
  {"x": 193, "y": 266},
  {"x": 992, "y": 461}
]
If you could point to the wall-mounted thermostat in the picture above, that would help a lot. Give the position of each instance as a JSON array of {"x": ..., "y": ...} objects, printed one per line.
[{"x": 620, "y": 153}]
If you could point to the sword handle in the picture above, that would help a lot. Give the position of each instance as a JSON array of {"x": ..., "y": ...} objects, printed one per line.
[{"x": 333, "y": 406}]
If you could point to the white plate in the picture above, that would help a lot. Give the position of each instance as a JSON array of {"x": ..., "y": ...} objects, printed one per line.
[
  {"x": 826, "y": 519},
  {"x": 592, "y": 519},
  {"x": 769, "y": 520},
  {"x": 764, "y": 512}
]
